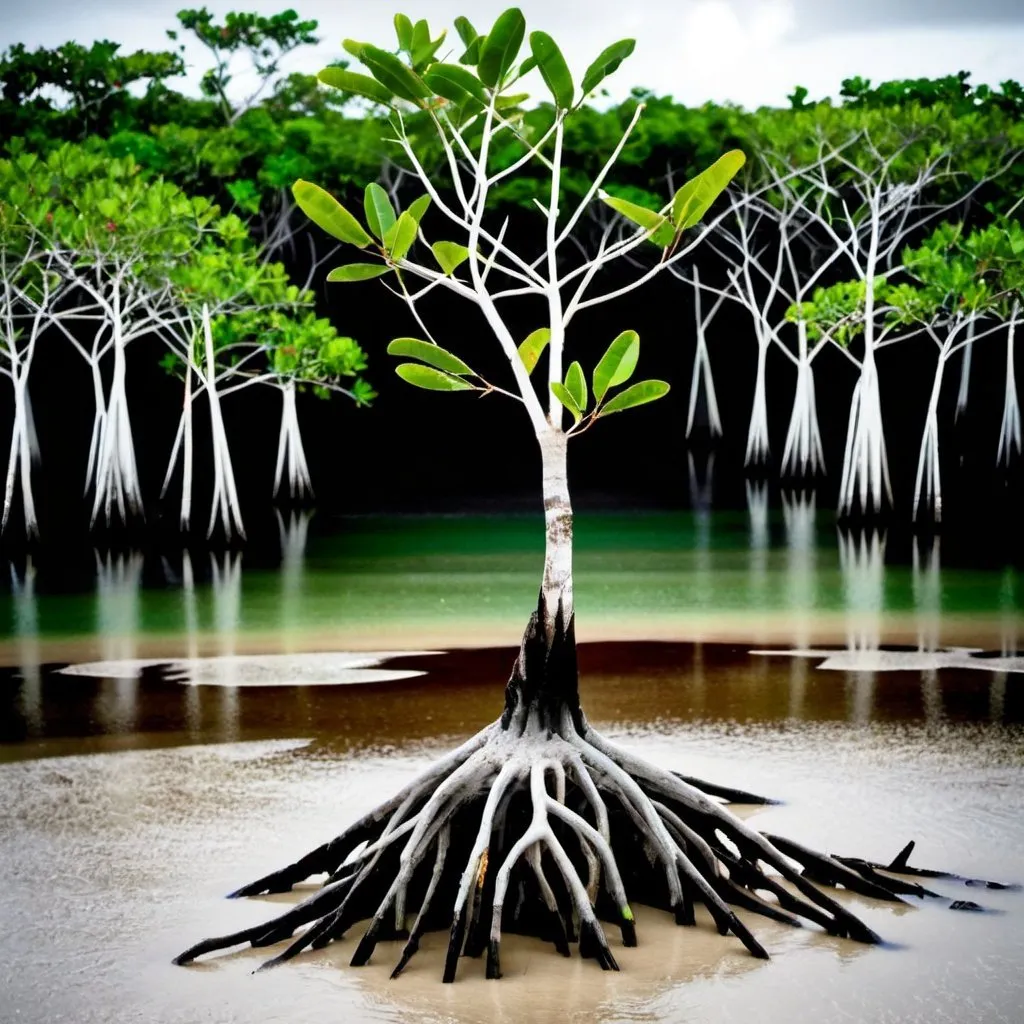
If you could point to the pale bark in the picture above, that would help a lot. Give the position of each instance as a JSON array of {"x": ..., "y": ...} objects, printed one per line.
[
  {"x": 803, "y": 454},
  {"x": 557, "y": 580},
  {"x": 865, "y": 467},
  {"x": 116, "y": 474},
  {"x": 290, "y": 450},
  {"x": 225, "y": 496},
  {"x": 758, "y": 450},
  {"x": 965, "y": 377},
  {"x": 1009, "y": 430},
  {"x": 702, "y": 367},
  {"x": 928, "y": 484}
]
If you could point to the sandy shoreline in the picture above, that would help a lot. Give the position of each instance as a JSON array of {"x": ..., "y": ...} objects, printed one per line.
[{"x": 114, "y": 862}]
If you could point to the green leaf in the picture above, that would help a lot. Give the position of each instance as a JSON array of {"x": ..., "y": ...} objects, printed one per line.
[
  {"x": 433, "y": 380},
  {"x": 418, "y": 207},
  {"x": 563, "y": 395},
  {"x": 608, "y": 61},
  {"x": 466, "y": 31},
  {"x": 423, "y": 52},
  {"x": 510, "y": 100},
  {"x": 501, "y": 47},
  {"x": 426, "y": 352},
  {"x": 694, "y": 199},
  {"x": 527, "y": 65},
  {"x": 455, "y": 83},
  {"x": 553, "y": 68},
  {"x": 659, "y": 228},
  {"x": 327, "y": 213},
  {"x": 403, "y": 29},
  {"x": 576, "y": 385},
  {"x": 358, "y": 272},
  {"x": 530, "y": 350},
  {"x": 641, "y": 393},
  {"x": 354, "y": 47},
  {"x": 617, "y": 364},
  {"x": 449, "y": 255},
  {"x": 380, "y": 214},
  {"x": 360, "y": 85},
  {"x": 420, "y": 35},
  {"x": 394, "y": 75},
  {"x": 398, "y": 240},
  {"x": 472, "y": 54}
]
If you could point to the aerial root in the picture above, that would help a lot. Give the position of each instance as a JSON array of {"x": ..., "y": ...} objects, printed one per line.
[
  {"x": 545, "y": 834},
  {"x": 900, "y": 866}
]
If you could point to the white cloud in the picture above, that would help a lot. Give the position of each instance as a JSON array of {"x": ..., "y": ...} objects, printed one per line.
[{"x": 748, "y": 51}]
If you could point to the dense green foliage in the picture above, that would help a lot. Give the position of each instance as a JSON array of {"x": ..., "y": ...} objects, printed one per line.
[{"x": 110, "y": 163}]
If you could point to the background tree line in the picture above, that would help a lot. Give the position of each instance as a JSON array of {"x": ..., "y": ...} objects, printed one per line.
[{"x": 787, "y": 306}]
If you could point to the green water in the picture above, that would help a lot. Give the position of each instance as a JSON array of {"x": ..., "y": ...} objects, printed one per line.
[{"x": 422, "y": 572}]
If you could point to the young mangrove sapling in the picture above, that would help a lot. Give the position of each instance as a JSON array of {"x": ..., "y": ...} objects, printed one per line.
[{"x": 537, "y": 823}]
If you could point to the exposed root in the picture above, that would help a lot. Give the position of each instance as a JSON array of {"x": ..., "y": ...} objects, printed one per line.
[
  {"x": 545, "y": 833},
  {"x": 540, "y": 825}
]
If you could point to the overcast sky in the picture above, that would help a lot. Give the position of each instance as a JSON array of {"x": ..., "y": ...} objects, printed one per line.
[{"x": 749, "y": 51}]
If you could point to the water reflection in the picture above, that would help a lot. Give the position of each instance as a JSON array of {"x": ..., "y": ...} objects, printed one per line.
[
  {"x": 226, "y": 590},
  {"x": 672, "y": 576},
  {"x": 191, "y": 617},
  {"x": 862, "y": 563},
  {"x": 760, "y": 538},
  {"x": 26, "y": 629},
  {"x": 118, "y": 585},
  {"x": 701, "y": 499},
  {"x": 294, "y": 535},
  {"x": 1009, "y": 623},
  {"x": 799, "y": 513},
  {"x": 927, "y": 588}
]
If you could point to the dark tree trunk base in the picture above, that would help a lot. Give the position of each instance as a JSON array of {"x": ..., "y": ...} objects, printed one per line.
[{"x": 540, "y": 826}]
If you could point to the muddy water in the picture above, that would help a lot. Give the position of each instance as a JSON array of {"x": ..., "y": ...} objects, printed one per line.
[
  {"x": 113, "y": 861},
  {"x": 242, "y": 715}
]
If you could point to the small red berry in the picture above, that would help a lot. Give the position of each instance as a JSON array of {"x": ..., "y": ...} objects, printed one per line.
[{"x": 111, "y": 226}]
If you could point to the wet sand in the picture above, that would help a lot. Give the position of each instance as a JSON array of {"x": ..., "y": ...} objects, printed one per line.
[{"x": 114, "y": 862}]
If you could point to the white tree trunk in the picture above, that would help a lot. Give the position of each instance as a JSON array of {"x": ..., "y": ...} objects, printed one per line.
[
  {"x": 184, "y": 444},
  {"x": 757, "y": 434},
  {"x": 24, "y": 451},
  {"x": 965, "y": 373},
  {"x": 803, "y": 454},
  {"x": 116, "y": 473},
  {"x": 702, "y": 371},
  {"x": 290, "y": 450},
  {"x": 98, "y": 418},
  {"x": 928, "y": 484},
  {"x": 225, "y": 496},
  {"x": 865, "y": 467},
  {"x": 557, "y": 581},
  {"x": 1009, "y": 431},
  {"x": 185, "y": 516}
]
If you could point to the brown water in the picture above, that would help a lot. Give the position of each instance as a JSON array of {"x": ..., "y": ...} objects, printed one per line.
[{"x": 132, "y": 805}]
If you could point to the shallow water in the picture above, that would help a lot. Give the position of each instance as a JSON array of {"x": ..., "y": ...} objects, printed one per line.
[
  {"x": 380, "y": 584},
  {"x": 136, "y": 795}
]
